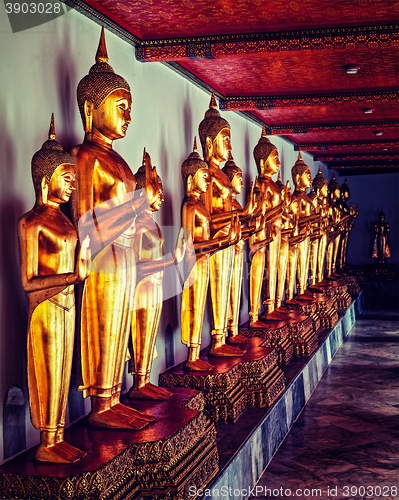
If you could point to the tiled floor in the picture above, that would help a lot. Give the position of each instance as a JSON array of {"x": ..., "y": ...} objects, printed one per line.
[{"x": 347, "y": 435}]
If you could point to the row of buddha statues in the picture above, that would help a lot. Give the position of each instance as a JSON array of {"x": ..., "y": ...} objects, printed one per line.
[{"x": 113, "y": 251}]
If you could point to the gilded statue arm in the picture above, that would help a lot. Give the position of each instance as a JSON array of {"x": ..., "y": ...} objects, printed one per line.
[
  {"x": 148, "y": 267},
  {"x": 105, "y": 221},
  {"x": 41, "y": 288}
]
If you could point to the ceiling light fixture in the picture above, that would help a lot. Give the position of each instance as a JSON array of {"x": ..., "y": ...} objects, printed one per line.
[
  {"x": 351, "y": 69},
  {"x": 385, "y": 149},
  {"x": 367, "y": 110},
  {"x": 378, "y": 132}
]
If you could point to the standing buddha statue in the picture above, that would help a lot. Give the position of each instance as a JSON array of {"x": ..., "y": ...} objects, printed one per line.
[
  {"x": 47, "y": 241},
  {"x": 148, "y": 297},
  {"x": 334, "y": 233},
  {"x": 196, "y": 220},
  {"x": 301, "y": 177},
  {"x": 104, "y": 204},
  {"x": 320, "y": 187},
  {"x": 267, "y": 163},
  {"x": 214, "y": 132},
  {"x": 234, "y": 174}
]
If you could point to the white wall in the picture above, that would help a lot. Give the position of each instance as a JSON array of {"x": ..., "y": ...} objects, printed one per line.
[{"x": 40, "y": 71}]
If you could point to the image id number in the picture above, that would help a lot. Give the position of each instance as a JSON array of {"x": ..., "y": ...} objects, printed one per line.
[
  {"x": 370, "y": 491},
  {"x": 33, "y": 8}
]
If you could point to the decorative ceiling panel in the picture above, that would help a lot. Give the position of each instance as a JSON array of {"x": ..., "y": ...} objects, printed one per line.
[
  {"x": 281, "y": 62},
  {"x": 155, "y": 19}
]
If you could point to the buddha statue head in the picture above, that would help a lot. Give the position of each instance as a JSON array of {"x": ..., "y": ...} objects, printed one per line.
[
  {"x": 345, "y": 192},
  {"x": 334, "y": 189},
  {"x": 153, "y": 184},
  {"x": 234, "y": 174},
  {"x": 53, "y": 170},
  {"x": 266, "y": 156},
  {"x": 214, "y": 133},
  {"x": 194, "y": 172},
  {"x": 320, "y": 184},
  {"x": 301, "y": 174},
  {"x": 104, "y": 98}
]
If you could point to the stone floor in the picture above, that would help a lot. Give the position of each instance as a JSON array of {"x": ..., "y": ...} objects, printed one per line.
[{"x": 347, "y": 435}]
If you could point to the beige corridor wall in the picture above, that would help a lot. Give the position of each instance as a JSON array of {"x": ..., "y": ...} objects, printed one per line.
[{"x": 40, "y": 69}]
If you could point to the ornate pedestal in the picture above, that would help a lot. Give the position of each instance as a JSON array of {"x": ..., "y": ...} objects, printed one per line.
[
  {"x": 236, "y": 382},
  {"x": 276, "y": 335},
  {"x": 305, "y": 340},
  {"x": 339, "y": 287},
  {"x": 161, "y": 461},
  {"x": 326, "y": 304}
]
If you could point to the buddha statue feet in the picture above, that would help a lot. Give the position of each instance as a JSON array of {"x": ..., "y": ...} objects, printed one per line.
[
  {"x": 131, "y": 412},
  {"x": 275, "y": 316},
  {"x": 257, "y": 323},
  {"x": 113, "y": 419},
  {"x": 237, "y": 339},
  {"x": 56, "y": 454},
  {"x": 148, "y": 391},
  {"x": 72, "y": 450},
  {"x": 198, "y": 366},
  {"x": 220, "y": 349}
]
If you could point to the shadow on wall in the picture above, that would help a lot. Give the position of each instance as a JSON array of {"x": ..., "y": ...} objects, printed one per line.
[
  {"x": 66, "y": 85},
  {"x": 14, "y": 438},
  {"x": 13, "y": 300}
]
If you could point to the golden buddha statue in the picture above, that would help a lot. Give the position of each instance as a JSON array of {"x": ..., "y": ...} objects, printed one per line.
[
  {"x": 334, "y": 233},
  {"x": 320, "y": 188},
  {"x": 301, "y": 177},
  {"x": 214, "y": 132},
  {"x": 349, "y": 213},
  {"x": 381, "y": 248},
  {"x": 148, "y": 297},
  {"x": 196, "y": 220},
  {"x": 289, "y": 224},
  {"x": 47, "y": 241},
  {"x": 105, "y": 206},
  {"x": 267, "y": 163},
  {"x": 234, "y": 174}
]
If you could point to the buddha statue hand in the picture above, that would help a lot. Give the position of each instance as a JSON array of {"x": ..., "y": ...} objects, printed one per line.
[
  {"x": 251, "y": 206},
  {"x": 83, "y": 263},
  {"x": 235, "y": 229},
  {"x": 180, "y": 249},
  {"x": 152, "y": 186},
  {"x": 287, "y": 195}
]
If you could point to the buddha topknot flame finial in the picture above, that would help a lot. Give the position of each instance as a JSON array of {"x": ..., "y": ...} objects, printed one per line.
[
  {"x": 195, "y": 149},
  {"x": 51, "y": 132},
  {"x": 263, "y": 131},
  {"x": 213, "y": 104},
  {"x": 102, "y": 55}
]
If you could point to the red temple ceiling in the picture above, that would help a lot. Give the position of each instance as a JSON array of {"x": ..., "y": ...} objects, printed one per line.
[{"x": 283, "y": 63}]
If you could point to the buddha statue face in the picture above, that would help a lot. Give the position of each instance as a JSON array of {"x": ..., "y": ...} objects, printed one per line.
[
  {"x": 200, "y": 181},
  {"x": 158, "y": 199},
  {"x": 303, "y": 180},
  {"x": 61, "y": 185},
  {"x": 112, "y": 117},
  {"x": 323, "y": 191},
  {"x": 270, "y": 165},
  {"x": 219, "y": 149},
  {"x": 237, "y": 183}
]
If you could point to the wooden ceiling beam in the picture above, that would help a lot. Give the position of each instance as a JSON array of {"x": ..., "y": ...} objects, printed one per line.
[
  {"x": 328, "y": 127},
  {"x": 331, "y": 146},
  {"x": 211, "y": 47},
  {"x": 356, "y": 157},
  {"x": 298, "y": 100}
]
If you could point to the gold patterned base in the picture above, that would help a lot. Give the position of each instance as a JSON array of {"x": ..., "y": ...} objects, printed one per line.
[
  {"x": 276, "y": 335},
  {"x": 235, "y": 383},
  {"x": 161, "y": 461}
]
